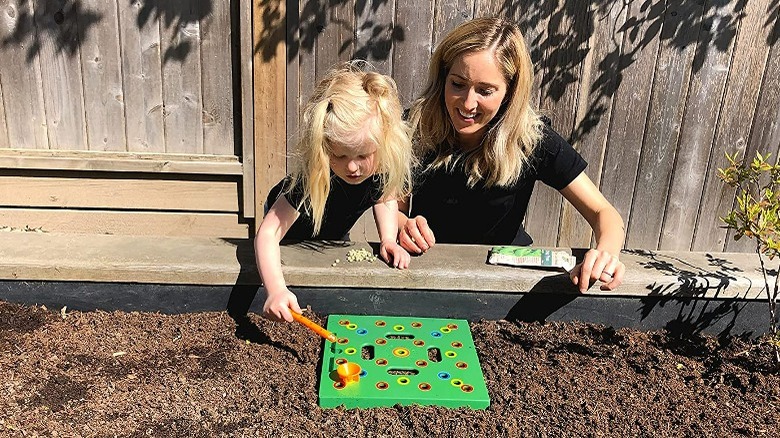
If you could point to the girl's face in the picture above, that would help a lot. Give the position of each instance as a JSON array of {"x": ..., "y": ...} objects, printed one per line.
[
  {"x": 473, "y": 93},
  {"x": 353, "y": 163}
]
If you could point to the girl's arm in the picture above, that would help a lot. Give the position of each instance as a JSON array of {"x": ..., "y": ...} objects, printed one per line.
[
  {"x": 275, "y": 225},
  {"x": 386, "y": 217},
  {"x": 601, "y": 263}
]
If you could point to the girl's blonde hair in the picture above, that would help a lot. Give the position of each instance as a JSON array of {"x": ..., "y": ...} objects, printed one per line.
[
  {"x": 351, "y": 105},
  {"x": 514, "y": 132}
]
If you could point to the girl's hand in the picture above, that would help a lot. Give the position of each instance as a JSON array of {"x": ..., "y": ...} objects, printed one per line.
[
  {"x": 416, "y": 236},
  {"x": 394, "y": 254},
  {"x": 277, "y": 306},
  {"x": 601, "y": 266}
]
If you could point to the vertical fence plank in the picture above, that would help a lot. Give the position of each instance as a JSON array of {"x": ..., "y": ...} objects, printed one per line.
[
  {"x": 448, "y": 14},
  {"x": 142, "y": 80},
  {"x": 533, "y": 18},
  {"x": 530, "y": 16},
  {"x": 733, "y": 129},
  {"x": 102, "y": 76},
  {"x": 672, "y": 78},
  {"x": 23, "y": 99},
  {"x": 311, "y": 24},
  {"x": 269, "y": 63},
  {"x": 765, "y": 134},
  {"x": 180, "y": 47},
  {"x": 539, "y": 222},
  {"x": 598, "y": 85},
  {"x": 247, "y": 109},
  {"x": 217, "y": 65},
  {"x": 636, "y": 68},
  {"x": 299, "y": 27},
  {"x": 565, "y": 40},
  {"x": 336, "y": 42},
  {"x": 493, "y": 8},
  {"x": 375, "y": 34},
  {"x": 698, "y": 127},
  {"x": 57, "y": 25},
  {"x": 411, "y": 57},
  {"x": 4, "y": 143}
]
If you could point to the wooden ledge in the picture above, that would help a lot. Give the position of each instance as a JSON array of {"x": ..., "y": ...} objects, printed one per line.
[
  {"x": 33, "y": 256},
  {"x": 104, "y": 161}
]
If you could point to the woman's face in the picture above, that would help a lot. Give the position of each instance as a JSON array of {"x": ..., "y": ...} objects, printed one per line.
[{"x": 473, "y": 93}]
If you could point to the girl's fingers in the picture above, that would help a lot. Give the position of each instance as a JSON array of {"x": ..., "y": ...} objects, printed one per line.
[
  {"x": 285, "y": 315},
  {"x": 294, "y": 305}
]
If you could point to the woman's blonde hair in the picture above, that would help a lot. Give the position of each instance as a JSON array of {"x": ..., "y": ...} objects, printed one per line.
[
  {"x": 514, "y": 132},
  {"x": 351, "y": 105}
]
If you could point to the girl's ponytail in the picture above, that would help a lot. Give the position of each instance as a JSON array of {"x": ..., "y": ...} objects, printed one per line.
[
  {"x": 317, "y": 176},
  {"x": 395, "y": 152}
]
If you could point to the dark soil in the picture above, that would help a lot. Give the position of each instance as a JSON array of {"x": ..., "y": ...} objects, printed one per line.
[{"x": 203, "y": 375}]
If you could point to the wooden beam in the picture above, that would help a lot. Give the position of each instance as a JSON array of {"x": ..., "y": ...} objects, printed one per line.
[
  {"x": 270, "y": 107},
  {"x": 119, "y": 162},
  {"x": 119, "y": 193}
]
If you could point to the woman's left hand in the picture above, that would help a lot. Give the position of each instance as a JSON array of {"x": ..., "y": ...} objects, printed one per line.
[{"x": 598, "y": 266}]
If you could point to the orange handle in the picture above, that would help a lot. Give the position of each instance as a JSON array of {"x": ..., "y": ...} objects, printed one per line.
[{"x": 313, "y": 326}]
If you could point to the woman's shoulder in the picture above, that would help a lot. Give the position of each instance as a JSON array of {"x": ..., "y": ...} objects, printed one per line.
[{"x": 551, "y": 142}]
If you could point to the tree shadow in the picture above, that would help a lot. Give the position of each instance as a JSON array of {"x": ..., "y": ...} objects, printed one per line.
[
  {"x": 176, "y": 16},
  {"x": 306, "y": 23},
  {"x": 563, "y": 45},
  {"x": 773, "y": 21},
  {"x": 692, "y": 282},
  {"x": 67, "y": 23}
]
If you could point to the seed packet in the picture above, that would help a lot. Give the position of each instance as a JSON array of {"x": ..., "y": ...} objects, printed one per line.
[{"x": 531, "y": 257}]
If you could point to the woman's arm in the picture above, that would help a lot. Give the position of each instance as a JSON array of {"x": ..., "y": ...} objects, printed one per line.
[
  {"x": 601, "y": 263},
  {"x": 275, "y": 225},
  {"x": 386, "y": 217}
]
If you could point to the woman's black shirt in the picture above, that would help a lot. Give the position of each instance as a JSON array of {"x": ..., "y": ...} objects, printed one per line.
[{"x": 479, "y": 215}]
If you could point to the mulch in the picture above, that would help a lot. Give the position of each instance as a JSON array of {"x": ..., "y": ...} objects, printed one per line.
[{"x": 130, "y": 374}]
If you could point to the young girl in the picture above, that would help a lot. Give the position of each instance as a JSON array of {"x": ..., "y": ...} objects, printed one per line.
[{"x": 355, "y": 154}]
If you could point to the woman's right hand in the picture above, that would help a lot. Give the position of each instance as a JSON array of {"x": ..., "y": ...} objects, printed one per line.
[
  {"x": 415, "y": 235},
  {"x": 277, "y": 306}
]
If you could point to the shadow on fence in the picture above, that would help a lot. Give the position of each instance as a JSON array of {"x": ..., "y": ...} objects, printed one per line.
[
  {"x": 563, "y": 45},
  {"x": 67, "y": 23}
]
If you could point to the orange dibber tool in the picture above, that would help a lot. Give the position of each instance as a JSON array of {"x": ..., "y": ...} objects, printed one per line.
[{"x": 313, "y": 326}]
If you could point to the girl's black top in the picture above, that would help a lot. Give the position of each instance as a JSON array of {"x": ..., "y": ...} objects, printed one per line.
[{"x": 344, "y": 206}]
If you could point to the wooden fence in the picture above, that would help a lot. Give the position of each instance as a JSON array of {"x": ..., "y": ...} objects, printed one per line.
[
  {"x": 142, "y": 108},
  {"x": 651, "y": 92},
  {"x": 119, "y": 117}
]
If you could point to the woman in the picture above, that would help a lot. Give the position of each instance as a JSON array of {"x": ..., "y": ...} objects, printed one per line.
[{"x": 482, "y": 148}]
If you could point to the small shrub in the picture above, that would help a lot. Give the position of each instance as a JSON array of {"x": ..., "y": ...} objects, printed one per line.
[{"x": 757, "y": 216}]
